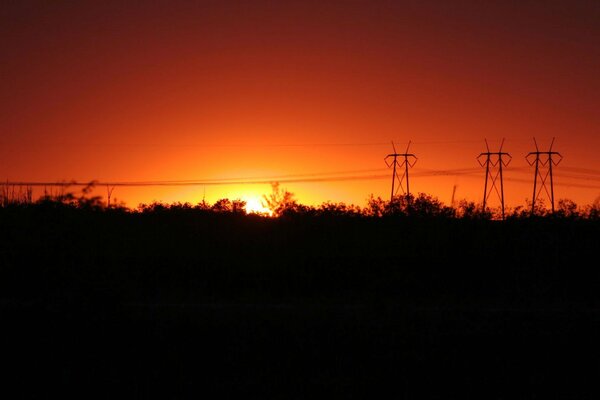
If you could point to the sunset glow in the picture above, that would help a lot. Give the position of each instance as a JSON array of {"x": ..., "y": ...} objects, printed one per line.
[
  {"x": 255, "y": 205},
  {"x": 218, "y": 91},
  {"x": 355, "y": 198}
]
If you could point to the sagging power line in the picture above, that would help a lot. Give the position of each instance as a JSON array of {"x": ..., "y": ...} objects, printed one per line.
[{"x": 493, "y": 161}]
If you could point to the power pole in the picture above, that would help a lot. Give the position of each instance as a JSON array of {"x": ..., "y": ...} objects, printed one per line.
[
  {"x": 543, "y": 159},
  {"x": 453, "y": 194},
  {"x": 494, "y": 162},
  {"x": 109, "y": 191},
  {"x": 409, "y": 160}
]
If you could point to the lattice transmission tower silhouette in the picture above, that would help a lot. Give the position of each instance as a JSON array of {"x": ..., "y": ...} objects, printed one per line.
[
  {"x": 494, "y": 162},
  {"x": 408, "y": 160},
  {"x": 543, "y": 161}
]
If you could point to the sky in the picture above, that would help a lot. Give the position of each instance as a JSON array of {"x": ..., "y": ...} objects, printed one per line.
[{"x": 300, "y": 92}]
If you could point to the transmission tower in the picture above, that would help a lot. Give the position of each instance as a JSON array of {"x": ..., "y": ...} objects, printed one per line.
[
  {"x": 408, "y": 160},
  {"x": 494, "y": 163},
  {"x": 543, "y": 161}
]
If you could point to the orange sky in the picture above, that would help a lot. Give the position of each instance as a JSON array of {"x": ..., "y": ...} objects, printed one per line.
[{"x": 176, "y": 91}]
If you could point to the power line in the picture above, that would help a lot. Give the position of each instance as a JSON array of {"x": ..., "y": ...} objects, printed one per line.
[
  {"x": 445, "y": 172},
  {"x": 230, "y": 145},
  {"x": 581, "y": 170},
  {"x": 297, "y": 178},
  {"x": 332, "y": 176},
  {"x": 563, "y": 184},
  {"x": 276, "y": 177},
  {"x": 197, "y": 183}
]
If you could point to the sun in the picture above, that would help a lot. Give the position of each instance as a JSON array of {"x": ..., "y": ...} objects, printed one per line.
[{"x": 255, "y": 206}]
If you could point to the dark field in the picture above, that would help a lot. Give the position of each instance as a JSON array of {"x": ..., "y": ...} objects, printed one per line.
[{"x": 181, "y": 304}]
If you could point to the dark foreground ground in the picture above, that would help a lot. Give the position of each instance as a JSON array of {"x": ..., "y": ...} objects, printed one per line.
[{"x": 181, "y": 305}]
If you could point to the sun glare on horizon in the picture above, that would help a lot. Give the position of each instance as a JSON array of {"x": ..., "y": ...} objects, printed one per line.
[{"x": 255, "y": 206}]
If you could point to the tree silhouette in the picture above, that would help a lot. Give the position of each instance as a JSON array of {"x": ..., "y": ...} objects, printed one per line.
[
  {"x": 280, "y": 201},
  {"x": 567, "y": 209}
]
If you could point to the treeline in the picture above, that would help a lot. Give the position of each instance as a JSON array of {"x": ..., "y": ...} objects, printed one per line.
[
  {"x": 282, "y": 204},
  {"x": 411, "y": 292}
]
